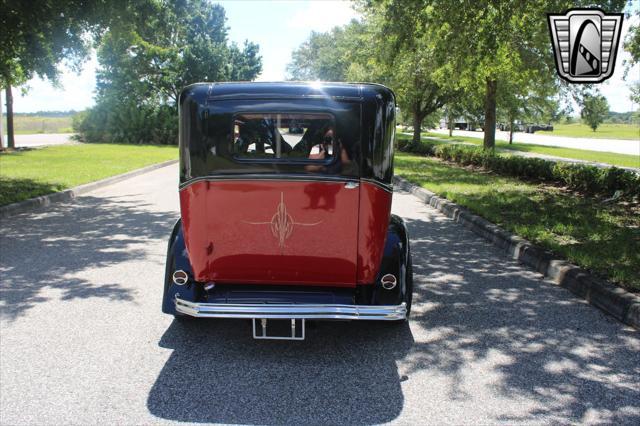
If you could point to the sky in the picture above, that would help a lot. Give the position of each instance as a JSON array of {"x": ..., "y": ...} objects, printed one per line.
[{"x": 278, "y": 27}]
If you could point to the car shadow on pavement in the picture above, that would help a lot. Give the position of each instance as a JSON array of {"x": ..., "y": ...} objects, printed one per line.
[
  {"x": 478, "y": 317},
  {"x": 485, "y": 332},
  {"x": 344, "y": 373},
  {"x": 492, "y": 319},
  {"x": 47, "y": 251}
]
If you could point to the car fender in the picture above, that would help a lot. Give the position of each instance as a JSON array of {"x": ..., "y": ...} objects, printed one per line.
[
  {"x": 178, "y": 258},
  {"x": 394, "y": 261}
]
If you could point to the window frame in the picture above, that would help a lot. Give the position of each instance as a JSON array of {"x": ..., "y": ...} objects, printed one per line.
[{"x": 293, "y": 161}]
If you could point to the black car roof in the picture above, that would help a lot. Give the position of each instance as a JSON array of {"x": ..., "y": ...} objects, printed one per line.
[{"x": 291, "y": 89}]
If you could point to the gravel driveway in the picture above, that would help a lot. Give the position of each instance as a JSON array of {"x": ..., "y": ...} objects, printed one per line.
[{"x": 83, "y": 340}]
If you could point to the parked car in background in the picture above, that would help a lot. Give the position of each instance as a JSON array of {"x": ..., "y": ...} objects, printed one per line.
[
  {"x": 522, "y": 127},
  {"x": 532, "y": 128}
]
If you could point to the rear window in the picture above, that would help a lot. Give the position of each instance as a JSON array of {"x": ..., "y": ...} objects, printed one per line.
[{"x": 308, "y": 137}]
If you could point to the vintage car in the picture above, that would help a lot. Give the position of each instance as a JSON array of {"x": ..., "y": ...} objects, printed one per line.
[{"x": 279, "y": 225}]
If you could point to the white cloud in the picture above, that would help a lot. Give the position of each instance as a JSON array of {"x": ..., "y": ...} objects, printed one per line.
[{"x": 323, "y": 15}]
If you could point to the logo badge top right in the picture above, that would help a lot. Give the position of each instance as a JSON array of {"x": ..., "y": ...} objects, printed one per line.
[{"x": 585, "y": 43}]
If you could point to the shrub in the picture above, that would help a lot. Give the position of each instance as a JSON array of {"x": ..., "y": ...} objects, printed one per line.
[
  {"x": 586, "y": 178},
  {"x": 127, "y": 123},
  {"x": 614, "y": 179},
  {"x": 422, "y": 148},
  {"x": 577, "y": 176}
]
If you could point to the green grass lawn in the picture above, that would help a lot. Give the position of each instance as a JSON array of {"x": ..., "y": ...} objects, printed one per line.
[
  {"x": 604, "y": 131},
  {"x": 27, "y": 174},
  {"x": 27, "y": 125},
  {"x": 622, "y": 160},
  {"x": 602, "y": 238}
]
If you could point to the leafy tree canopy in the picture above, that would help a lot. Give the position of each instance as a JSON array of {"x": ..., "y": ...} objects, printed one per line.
[
  {"x": 167, "y": 46},
  {"x": 37, "y": 35},
  {"x": 482, "y": 44},
  {"x": 146, "y": 60},
  {"x": 632, "y": 43},
  {"x": 327, "y": 56},
  {"x": 366, "y": 51}
]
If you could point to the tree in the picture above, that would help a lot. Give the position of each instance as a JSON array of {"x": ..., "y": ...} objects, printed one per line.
[
  {"x": 451, "y": 111},
  {"x": 1, "y": 123},
  {"x": 486, "y": 42},
  {"x": 408, "y": 60},
  {"x": 634, "y": 96},
  {"x": 145, "y": 61},
  {"x": 368, "y": 51},
  {"x": 37, "y": 35},
  {"x": 595, "y": 109},
  {"x": 151, "y": 57},
  {"x": 497, "y": 47},
  {"x": 632, "y": 45},
  {"x": 321, "y": 57},
  {"x": 411, "y": 76},
  {"x": 468, "y": 106},
  {"x": 520, "y": 100}
]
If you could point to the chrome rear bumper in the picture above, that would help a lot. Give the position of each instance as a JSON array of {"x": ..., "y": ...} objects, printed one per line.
[{"x": 288, "y": 311}]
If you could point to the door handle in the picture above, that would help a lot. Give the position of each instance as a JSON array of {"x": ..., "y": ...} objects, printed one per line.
[{"x": 351, "y": 185}]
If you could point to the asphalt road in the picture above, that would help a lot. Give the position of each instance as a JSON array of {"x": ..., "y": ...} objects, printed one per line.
[
  {"x": 83, "y": 340},
  {"x": 620, "y": 146}
]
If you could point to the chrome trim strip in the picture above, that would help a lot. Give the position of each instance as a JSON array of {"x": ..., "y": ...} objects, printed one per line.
[
  {"x": 257, "y": 176},
  {"x": 180, "y": 277},
  {"x": 384, "y": 186},
  {"x": 289, "y": 311}
]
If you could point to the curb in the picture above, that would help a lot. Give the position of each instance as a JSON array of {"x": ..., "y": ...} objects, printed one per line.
[
  {"x": 615, "y": 301},
  {"x": 69, "y": 194}
]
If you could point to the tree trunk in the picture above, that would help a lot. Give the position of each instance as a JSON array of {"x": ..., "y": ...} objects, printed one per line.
[
  {"x": 510, "y": 130},
  {"x": 11, "y": 141},
  {"x": 450, "y": 123},
  {"x": 417, "y": 124},
  {"x": 1, "y": 123},
  {"x": 490, "y": 114}
]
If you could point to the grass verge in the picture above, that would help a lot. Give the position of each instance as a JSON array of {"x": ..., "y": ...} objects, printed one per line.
[
  {"x": 612, "y": 158},
  {"x": 27, "y": 174},
  {"x": 604, "y": 238},
  {"x": 604, "y": 131}
]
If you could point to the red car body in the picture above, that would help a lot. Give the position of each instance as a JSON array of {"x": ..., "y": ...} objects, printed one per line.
[{"x": 285, "y": 200}]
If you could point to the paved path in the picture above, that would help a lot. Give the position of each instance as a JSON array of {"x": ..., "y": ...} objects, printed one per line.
[
  {"x": 621, "y": 146},
  {"x": 42, "y": 139},
  {"x": 547, "y": 157},
  {"x": 566, "y": 160},
  {"x": 83, "y": 339}
]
